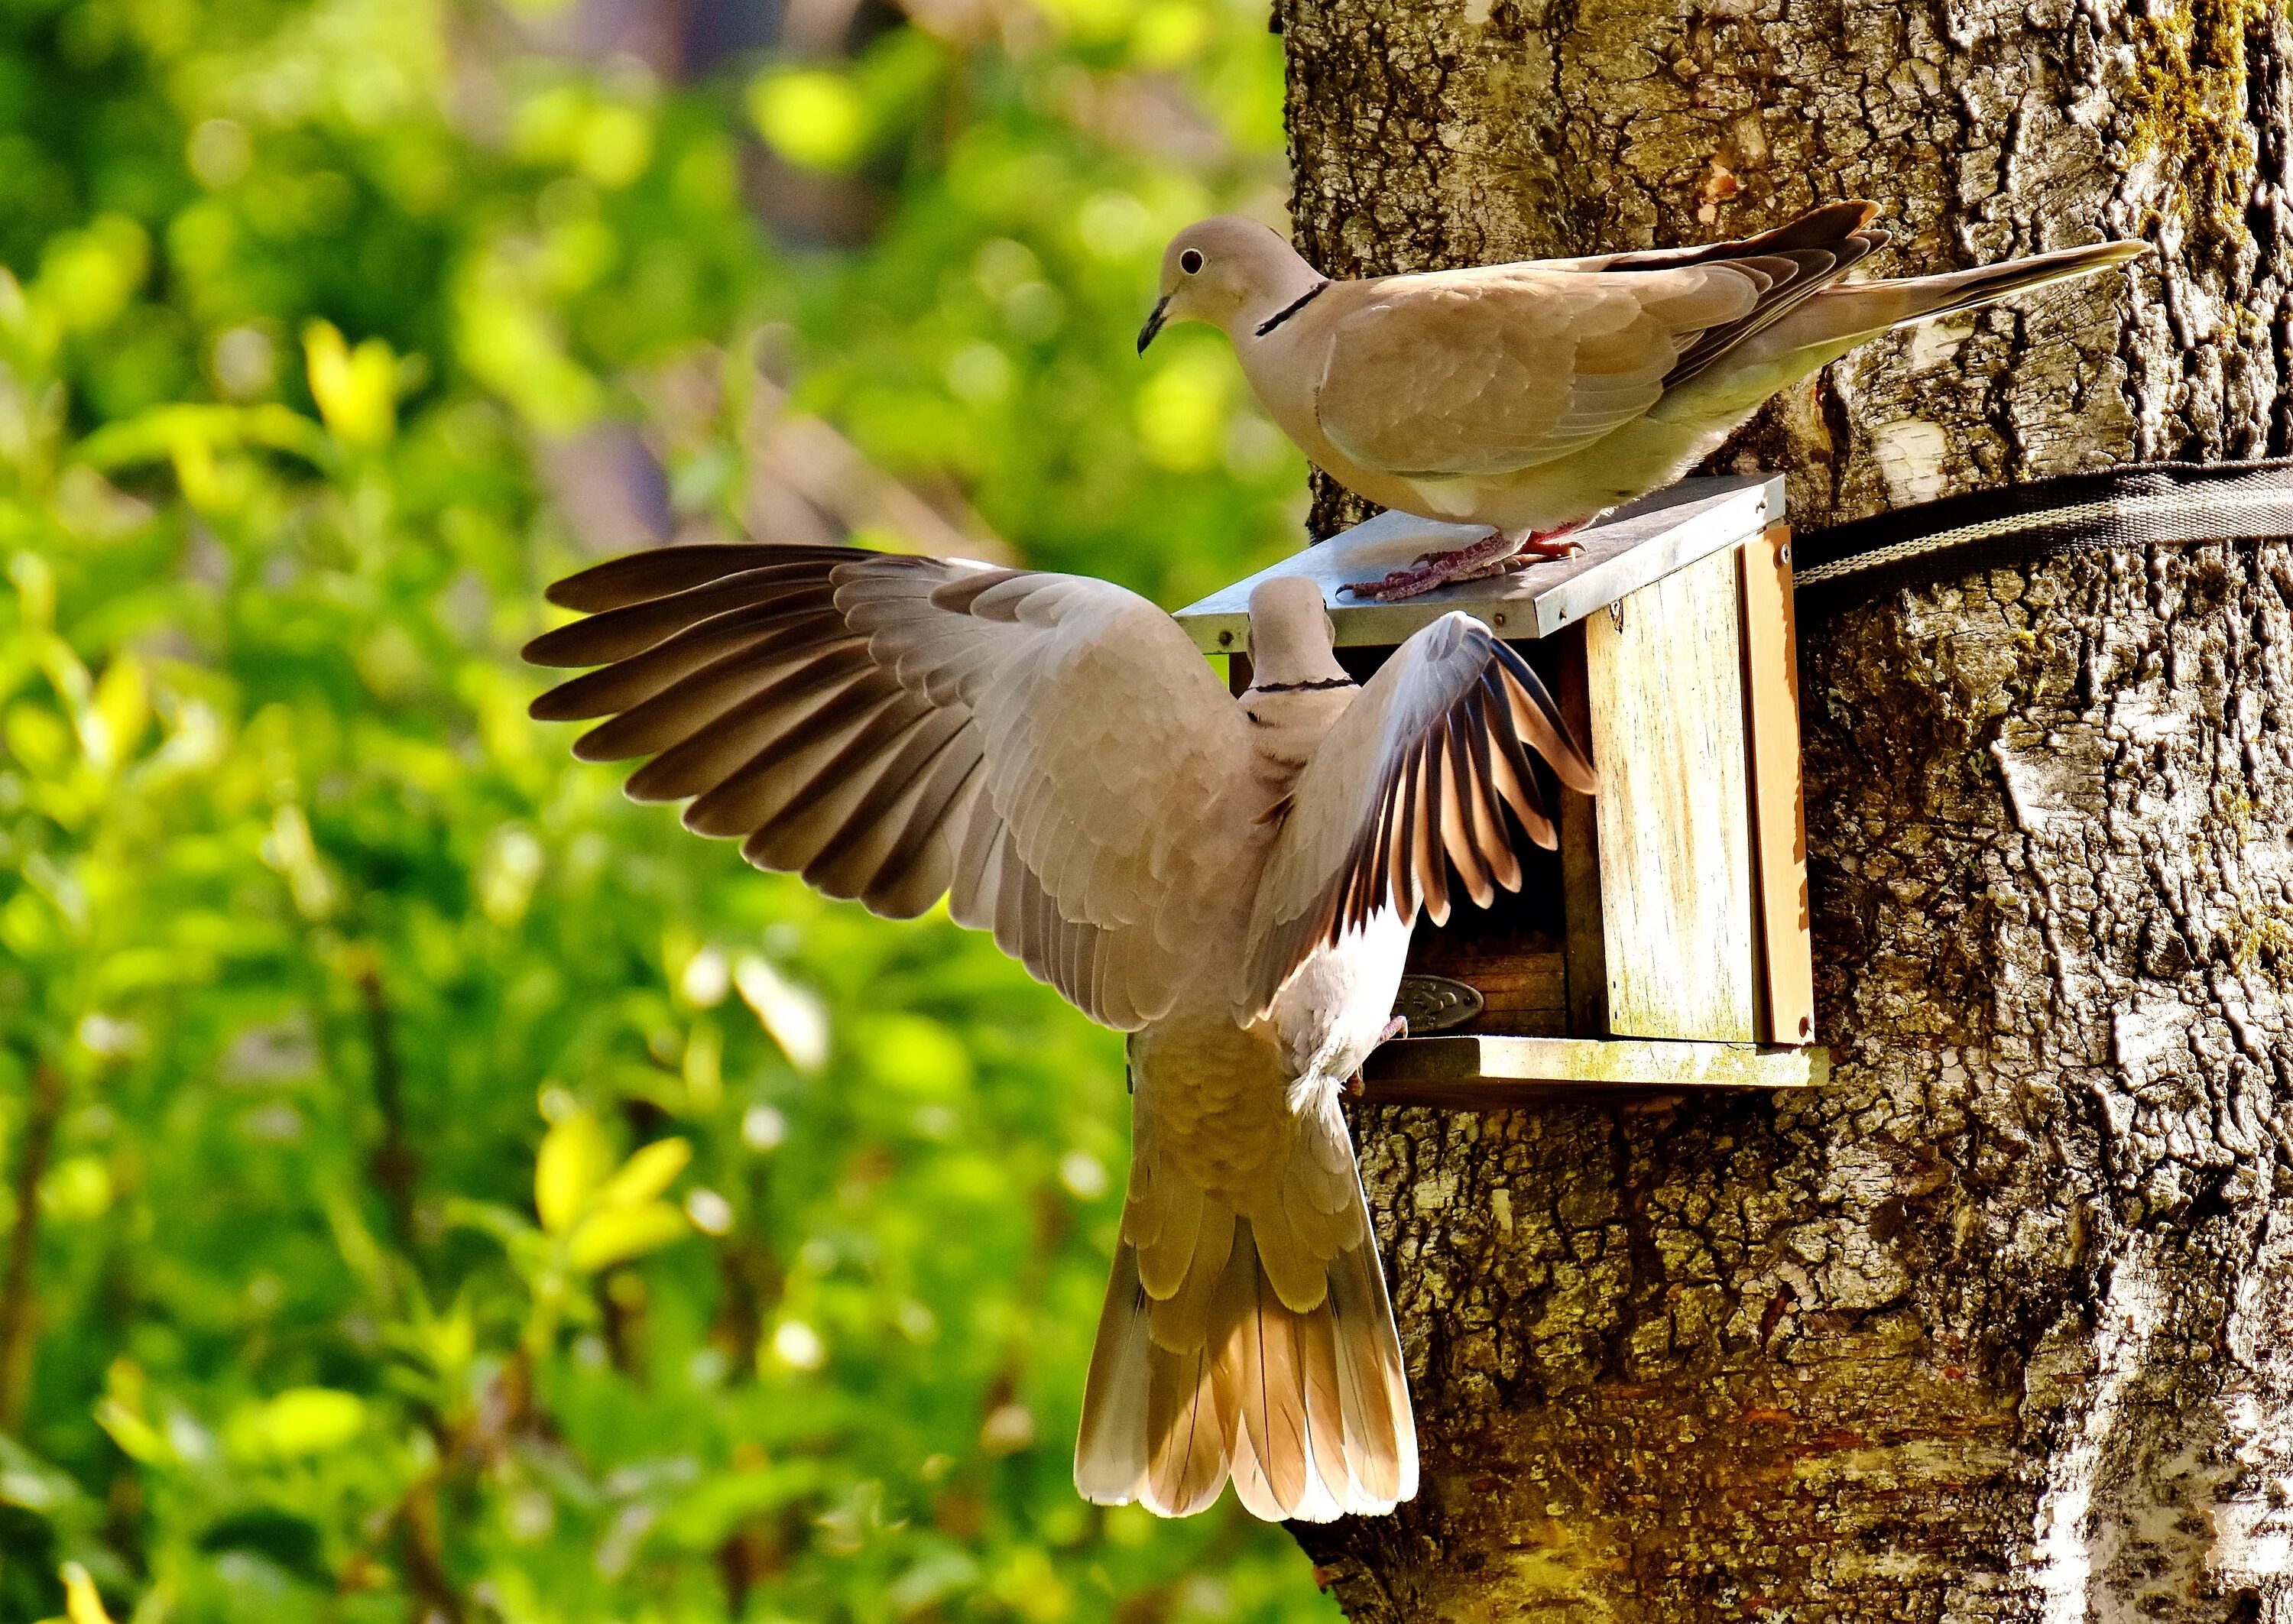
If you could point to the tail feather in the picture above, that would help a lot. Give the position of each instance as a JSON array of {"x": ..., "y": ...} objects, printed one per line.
[
  {"x": 1306, "y": 1411},
  {"x": 1259, "y": 1380},
  {"x": 1381, "y": 1438},
  {"x": 1186, "y": 1437},
  {"x": 1849, "y": 312},
  {"x": 1111, "y": 1446}
]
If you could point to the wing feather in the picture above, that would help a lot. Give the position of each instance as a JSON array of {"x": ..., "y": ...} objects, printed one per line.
[
  {"x": 1409, "y": 782},
  {"x": 1034, "y": 747}
]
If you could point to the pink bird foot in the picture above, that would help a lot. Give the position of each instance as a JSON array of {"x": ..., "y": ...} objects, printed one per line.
[
  {"x": 1399, "y": 1026},
  {"x": 1494, "y": 553}
]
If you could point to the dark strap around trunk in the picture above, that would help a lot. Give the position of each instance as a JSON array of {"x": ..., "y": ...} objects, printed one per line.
[{"x": 2132, "y": 505}]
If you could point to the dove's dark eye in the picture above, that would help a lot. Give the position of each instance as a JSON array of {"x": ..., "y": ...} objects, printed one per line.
[{"x": 1190, "y": 261}]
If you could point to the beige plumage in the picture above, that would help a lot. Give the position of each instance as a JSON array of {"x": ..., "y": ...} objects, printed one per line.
[
  {"x": 1534, "y": 397},
  {"x": 1230, "y": 880}
]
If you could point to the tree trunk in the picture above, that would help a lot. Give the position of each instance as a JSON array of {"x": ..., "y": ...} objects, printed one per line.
[{"x": 1997, "y": 1326}]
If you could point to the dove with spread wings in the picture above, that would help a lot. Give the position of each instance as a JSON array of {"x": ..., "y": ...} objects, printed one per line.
[{"x": 1230, "y": 879}]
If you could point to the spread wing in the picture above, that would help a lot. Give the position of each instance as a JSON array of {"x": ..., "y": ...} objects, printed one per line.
[
  {"x": 1480, "y": 372},
  {"x": 1412, "y": 781},
  {"x": 1045, "y": 751}
]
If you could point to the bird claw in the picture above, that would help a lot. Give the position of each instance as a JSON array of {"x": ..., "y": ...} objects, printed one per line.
[
  {"x": 1554, "y": 543},
  {"x": 1399, "y": 1026},
  {"x": 1492, "y": 551},
  {"x": 1495, "y": 554}
]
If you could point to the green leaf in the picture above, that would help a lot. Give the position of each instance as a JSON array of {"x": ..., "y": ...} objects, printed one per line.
[
  {"x": 356, "y": 388},
  {"x": 137, "y": 1438},
  {"x": 82, "y": 1605},
  {"x": 645, "y": 1175},
  {"x": 620, "y": 1233},
  {"x": 299, "y": 1422},
  {"x": 814, "y": 118},
  {"x": 575, "y": 1158}
]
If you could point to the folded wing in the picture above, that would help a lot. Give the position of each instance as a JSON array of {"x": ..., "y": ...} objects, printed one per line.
[
  {"x": 1486, "y": 371},
  {"x": 1412, "y": 783},
  {"x": 1045, "y": 751}
]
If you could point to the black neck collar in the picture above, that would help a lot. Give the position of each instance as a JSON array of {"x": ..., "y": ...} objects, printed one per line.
[
  {"x": 1315, "y": 686},
  {"x": 1292, "y": 308}
]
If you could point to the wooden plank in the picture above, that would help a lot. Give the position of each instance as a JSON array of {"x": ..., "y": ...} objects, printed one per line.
[
  {"x": 1641, "y": 542},
  {"x": 1786, "y": 1002},
  {"x": 1486, "y": 1072},
  {"x": 1673, "y": 811},
  {"x": 1582, "y": 949},
  {"x": 1521, "y": 992}
]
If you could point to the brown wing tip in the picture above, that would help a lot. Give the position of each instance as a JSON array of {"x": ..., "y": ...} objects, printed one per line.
[
  {"x": 551, "y": 705},
  {"x": 1825, "y": 226},
  {"x": 658, "y": 571},
  {"x": 555, "y": 648}
]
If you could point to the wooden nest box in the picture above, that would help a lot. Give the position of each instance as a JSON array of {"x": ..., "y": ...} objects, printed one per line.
[{"x": 1664, "y": 945}]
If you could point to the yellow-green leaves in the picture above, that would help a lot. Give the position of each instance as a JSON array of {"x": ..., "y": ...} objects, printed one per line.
[
  {"x": 82, "y": 1605},
  {"x": 605, "y": 140},
  {"x": 356, "y": 389},
  {"x": 645, "y": 1175},
  {"x": 827, "y": 119},
  {"x": 298, "y": 1423},
  {"x": 575, "y": 1158},
  {"x": 814, "y": 118},
  {"x": 120, "y": 1413},
  {"x": 86, "y": 277},
  {"x": 111, "y": 728},
  {"x": 603, "y": 1216},
  {"x": 618, "y": 1234}
]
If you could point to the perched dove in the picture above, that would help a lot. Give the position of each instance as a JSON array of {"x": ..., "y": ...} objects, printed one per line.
[
  {"x": 1532, "y": 398},
  {"x": 1231, "y": 880}
]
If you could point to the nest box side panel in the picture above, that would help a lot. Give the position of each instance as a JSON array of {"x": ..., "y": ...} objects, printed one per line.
[
  {"x": 1673, "y": 818},
  {"x": 1584, "y": 954},
  {"x": 1778, "y": 811}
]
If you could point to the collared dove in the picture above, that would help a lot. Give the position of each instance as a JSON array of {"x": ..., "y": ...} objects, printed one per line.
[
  {"x": 1230, "y": 880},
  {"x": 1533, "y": 398}
]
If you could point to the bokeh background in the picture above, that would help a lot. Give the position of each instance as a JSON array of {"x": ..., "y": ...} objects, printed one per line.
[{"x": 435, "y": 1188}]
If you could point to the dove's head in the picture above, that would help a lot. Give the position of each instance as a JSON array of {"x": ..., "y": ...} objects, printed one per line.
[
  {"x": 1229, "y": 271},
  {"x": 1292, "y": 637}
]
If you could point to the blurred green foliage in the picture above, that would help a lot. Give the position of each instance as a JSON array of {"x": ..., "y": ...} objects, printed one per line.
[{"x": 436, "y": 1188}]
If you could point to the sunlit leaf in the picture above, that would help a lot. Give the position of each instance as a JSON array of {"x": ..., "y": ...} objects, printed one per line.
[
  {"x": 618, "y": 1234},
  {"x": 814, "y": 118},
  {"x": 82, "y": 1605},
  {"x": 575, "y": 1158},
  {"x": 645, "y": 1175},
  {"x": 356, "y": 388},
  {"x": 298, "y": 1422}
]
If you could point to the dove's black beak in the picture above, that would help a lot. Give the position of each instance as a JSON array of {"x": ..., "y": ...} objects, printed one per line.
[{"x": 1154, "y": 323}]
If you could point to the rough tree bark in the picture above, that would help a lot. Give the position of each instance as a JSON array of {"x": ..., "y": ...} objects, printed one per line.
[{"x": 2001, "y": 1326}]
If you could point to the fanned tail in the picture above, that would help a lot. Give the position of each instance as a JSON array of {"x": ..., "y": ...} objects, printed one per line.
[{"x": 1306, "y": 1410}]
